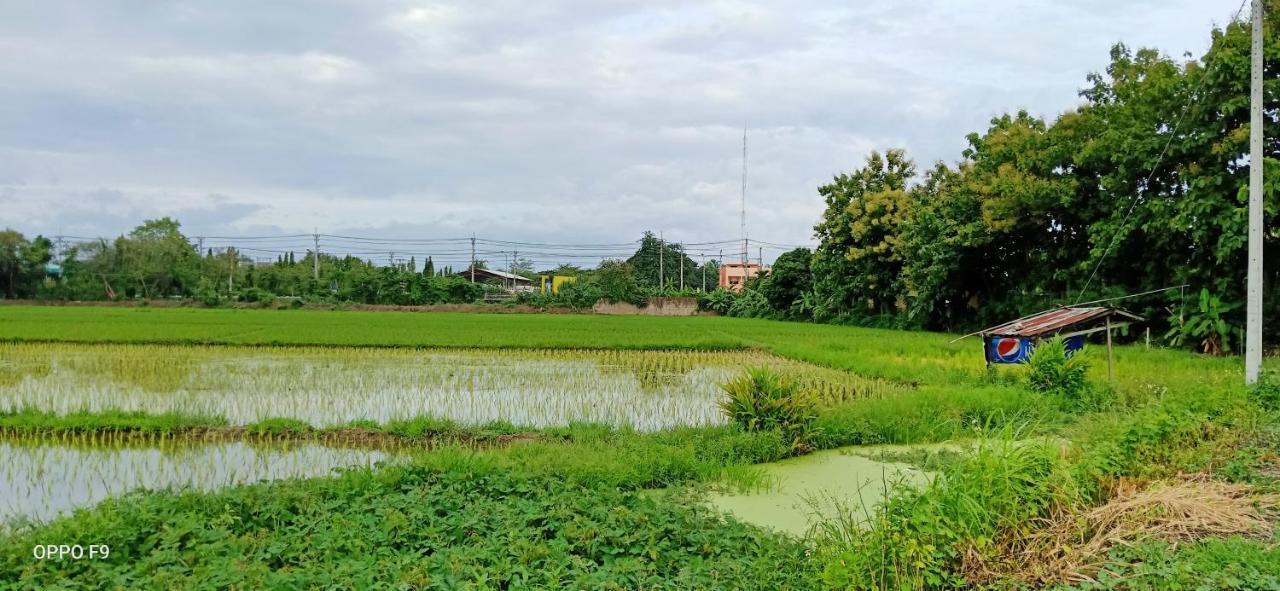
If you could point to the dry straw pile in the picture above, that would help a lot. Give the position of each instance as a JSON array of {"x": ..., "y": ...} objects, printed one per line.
[{"x": 1073, "y": 546}]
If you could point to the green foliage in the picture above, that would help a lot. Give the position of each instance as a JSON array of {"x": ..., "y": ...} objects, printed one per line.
[
  {"x": 788, "y": 286},
  {"x": 919, "y": 538},
  {"x": 1223, "y": 564},
  {"x": 22, "y": 264},
  {"x": 110, "y": 421},
  {"x": 856, "y": 266},
  {"x": 1052, "y": 370},
  {"x": 258, "y": 296},
  {"x": 656, "y": 260},
  {"x": 616, "y": 281},
  {"x": 720, "y": 301},
  {"x": 466, "y": 524},
  {"x": 279, "y": 426},
  {"x": 1035, "y": 206},
  {"x": 1208, "y": 327},
  {"x": 1190, "y": 431},
  {"x": 761, "y": 400},
  {"x": 750, "y": 303},
  {"x": 931, "y": 414},
  {"x": 1266, "y": 393}
]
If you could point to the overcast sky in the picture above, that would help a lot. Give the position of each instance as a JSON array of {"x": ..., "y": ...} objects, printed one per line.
[{"x": 543, "y": 121}]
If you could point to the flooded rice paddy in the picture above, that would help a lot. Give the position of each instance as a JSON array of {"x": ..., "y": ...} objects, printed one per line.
[
  {"x": 645, "y": 390},
  {"x": 40, "y": 480}
]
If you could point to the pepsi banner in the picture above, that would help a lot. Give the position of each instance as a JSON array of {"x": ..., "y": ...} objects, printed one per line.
[{"x": 1018, "y": 349}]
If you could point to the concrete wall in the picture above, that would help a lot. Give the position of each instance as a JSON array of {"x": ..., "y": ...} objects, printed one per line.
[{"x": 656, "y": 307}]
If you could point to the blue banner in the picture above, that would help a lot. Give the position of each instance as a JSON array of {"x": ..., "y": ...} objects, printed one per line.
[{"x": 1018, "y": 349}]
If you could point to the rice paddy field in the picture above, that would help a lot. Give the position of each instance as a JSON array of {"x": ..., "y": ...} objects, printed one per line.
[
  {"x": 216, "y": 448},
  {"x": 323, "y": 387}
]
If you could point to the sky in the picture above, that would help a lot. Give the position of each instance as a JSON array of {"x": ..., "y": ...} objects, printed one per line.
[{"x": 553, "y": 121}]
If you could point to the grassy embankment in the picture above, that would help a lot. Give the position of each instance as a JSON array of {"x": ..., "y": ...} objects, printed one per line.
[{"x": 558, "y": 512}]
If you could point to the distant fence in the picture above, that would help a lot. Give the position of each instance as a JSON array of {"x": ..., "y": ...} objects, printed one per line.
[{"x": 655, "y": 307}]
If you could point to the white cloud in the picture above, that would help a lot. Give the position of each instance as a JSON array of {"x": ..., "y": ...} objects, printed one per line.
[{"x": 553, "y": 121}]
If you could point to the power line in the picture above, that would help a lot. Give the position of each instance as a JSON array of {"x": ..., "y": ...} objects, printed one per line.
[{"x": 1146, "y": 183}]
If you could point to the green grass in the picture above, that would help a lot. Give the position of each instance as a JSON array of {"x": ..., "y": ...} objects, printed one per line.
[
  {"x": 1220, "y": 564},
  {"x": 565, "y": 511},
  {"x": 34, "y": 422},
  {"x": 914, "y": 357},
  {"x": 464, "y": 523}
]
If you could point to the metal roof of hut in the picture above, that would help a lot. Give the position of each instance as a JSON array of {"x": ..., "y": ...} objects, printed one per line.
[
  {"x": 1065, "y": 319},
  {"x": 493, "y": 274}
]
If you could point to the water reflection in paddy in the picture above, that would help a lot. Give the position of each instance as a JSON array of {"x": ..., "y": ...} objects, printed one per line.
[{"x": 39, "y": 481}]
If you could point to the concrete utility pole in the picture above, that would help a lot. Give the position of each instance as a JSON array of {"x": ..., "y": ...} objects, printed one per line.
[
  {"x": 315, "y": 255},
  {"x": 719, "y": 268},
  {"x": 743, "y": 220},
  {"x": 473, "y": 258},
  {"x": 681, "y": 259},
  {"x": 1253, "y": 323},
  {"x": 662, "y": 247},
  {"x": 704, "y": 272},
  {"x": 760, "y": 257},
  {"x": 514, "y": 254}
]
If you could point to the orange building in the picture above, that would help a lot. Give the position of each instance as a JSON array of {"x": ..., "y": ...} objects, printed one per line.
[{"x": 734, "y": 275}]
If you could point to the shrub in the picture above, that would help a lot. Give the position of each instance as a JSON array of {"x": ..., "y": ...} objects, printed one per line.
[
  {"x": 718, "y": 301},
  {"x": 257, "y": 296},
  {"x": 762, "y": 400},
  {"x": 1055, "y": 371},
  {"x": 1266, "y": 393},
  {"x": 206, "y": 294},
  {"x": 751, "y": 304}
]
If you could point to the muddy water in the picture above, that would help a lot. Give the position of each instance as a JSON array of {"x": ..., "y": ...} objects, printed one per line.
[
  {"x": 42, "y": 481},
  {"x": 815, "y": 487}
]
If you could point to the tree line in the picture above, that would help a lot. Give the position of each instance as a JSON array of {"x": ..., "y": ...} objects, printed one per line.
[
  {"x": 1142, "y": 186},
  {"x": 156, "y": 260}
]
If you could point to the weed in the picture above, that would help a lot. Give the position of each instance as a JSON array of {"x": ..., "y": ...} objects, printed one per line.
[
  {"x": 761, "y": 400},
  {"x": 1054, "y": 370}
]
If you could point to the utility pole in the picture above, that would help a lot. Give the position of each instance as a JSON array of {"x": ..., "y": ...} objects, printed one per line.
[
  {"x": 473, "y": 258},
  {"x": 1253, "y": 324},
  {"x": 704, "y": 272},
  {"x": 760, "y": 257},
  {"x": 681, "y": 260},
  {"x": 744, "y": 198},
  {"x": 315, "y": 255},
  {"x": 514, "y": 254},
  {"x": 662, "y": 247},
  {"x": 231, "y": 272},
  {"x": 719, "y": 268}
]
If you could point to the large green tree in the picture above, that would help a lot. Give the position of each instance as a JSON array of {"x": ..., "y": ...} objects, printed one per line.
[
  {"x": 22, "y": 263},
  {"x": 857, "y": 265}
]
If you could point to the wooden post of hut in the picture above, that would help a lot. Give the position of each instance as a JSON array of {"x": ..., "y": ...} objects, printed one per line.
[{"x": 1110, "y": 377}]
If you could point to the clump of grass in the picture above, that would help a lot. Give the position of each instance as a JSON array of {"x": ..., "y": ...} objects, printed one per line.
[
  {"x": 1054, "y": 370},
  {"x": 924, "y": 538},
  {"x": 1266, "y": 393},
  {"x": 35, "y": 422},
  {"x": 279, "y": 426},
  {"x": 761, "y": 400}
]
